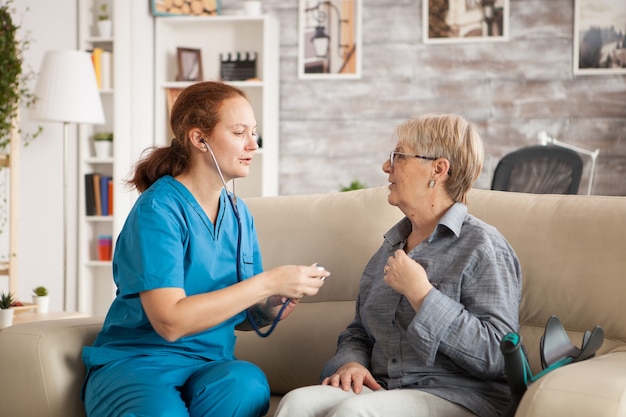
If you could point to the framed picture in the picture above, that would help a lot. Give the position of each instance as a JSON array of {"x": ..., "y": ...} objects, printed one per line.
[
  {"x": 185, "y": 7},
  {"x": 446, "y": 21},
  {"x": 189, "y": 64},
  {"x": 599, "y": 37},
  {"x": 329, "y": 39}
]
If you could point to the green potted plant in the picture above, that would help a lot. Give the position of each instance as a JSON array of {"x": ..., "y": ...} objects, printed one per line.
[
  {"x": 6, "y": 311},
  {"x": 354, "y": 185},
  {"x": 14, "y": 79},
  {"x": 14, "y": 94},
  {"x": 105, "y": 25},
  {"x": 41, "y": 299},
  {"x": 103, "y": 143}
]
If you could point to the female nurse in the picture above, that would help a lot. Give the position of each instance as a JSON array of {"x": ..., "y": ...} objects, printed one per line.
[{"x": 188, "y": 272}]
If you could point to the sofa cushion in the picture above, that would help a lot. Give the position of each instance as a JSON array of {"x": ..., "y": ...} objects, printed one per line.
[
  {"x": 571, "y": 249},
  {"x": 42, "y": 360}
]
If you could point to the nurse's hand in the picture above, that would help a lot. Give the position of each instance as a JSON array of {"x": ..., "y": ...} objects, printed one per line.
[
  {"x": 296, "y": 281},
  {"x": 276, "y": 302}
]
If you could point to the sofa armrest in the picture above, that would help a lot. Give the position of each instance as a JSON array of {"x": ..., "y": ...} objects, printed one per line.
[
  {"x": 595, "y": 387},
  {"x": 42, "y": 370}
]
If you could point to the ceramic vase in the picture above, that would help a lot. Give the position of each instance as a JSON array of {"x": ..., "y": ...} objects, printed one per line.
[
  {"x": 105, "y": 28},
  {"x": 6, "y": 317},
  {"x": 102, "y": 148},
  {"x": 42, "y": 303},
  {"x": 253, "y": 7}
]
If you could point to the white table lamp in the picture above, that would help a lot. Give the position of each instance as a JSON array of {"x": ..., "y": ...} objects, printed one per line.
[{"x": 67, "y": 92}]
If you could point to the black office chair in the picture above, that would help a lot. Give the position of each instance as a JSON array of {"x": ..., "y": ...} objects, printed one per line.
[{"x": 540, "y": 170}]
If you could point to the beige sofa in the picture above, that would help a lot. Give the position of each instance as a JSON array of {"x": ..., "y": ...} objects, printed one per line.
[{"x": 573, "y": 254}]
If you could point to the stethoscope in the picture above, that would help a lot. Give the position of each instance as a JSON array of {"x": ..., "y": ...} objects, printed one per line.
[{"x": 233, "y": 204}]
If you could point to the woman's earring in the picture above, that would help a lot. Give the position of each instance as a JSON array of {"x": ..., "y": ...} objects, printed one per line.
[{"x": 431, "y": 183}]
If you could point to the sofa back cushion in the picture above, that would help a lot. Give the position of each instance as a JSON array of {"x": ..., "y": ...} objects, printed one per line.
[
  {"x": 572, "y": 249},
  {"x": 340, "y": 231}
]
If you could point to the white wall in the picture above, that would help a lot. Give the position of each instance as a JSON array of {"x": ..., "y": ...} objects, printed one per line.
[{"x": 41, "y": 164}]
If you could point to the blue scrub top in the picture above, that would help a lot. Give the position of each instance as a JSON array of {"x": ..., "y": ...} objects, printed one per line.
[{"x": 168, "y": 241}]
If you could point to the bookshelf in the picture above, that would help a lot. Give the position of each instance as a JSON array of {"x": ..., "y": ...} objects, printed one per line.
[
  {"x": 124, "y": 100},
  {"x": 258, "y": 34}
]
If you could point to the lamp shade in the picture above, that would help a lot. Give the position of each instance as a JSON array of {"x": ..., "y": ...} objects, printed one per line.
[{"x": 67, "y": 90}]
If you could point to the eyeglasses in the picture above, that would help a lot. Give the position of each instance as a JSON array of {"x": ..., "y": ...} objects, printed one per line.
[{"x": 393, "y": 155}]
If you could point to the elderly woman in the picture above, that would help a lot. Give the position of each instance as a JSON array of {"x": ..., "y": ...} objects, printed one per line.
[{"x": 434, "y": 301}]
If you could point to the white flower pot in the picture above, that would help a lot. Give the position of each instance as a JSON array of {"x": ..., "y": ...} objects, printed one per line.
[
  {"x": 6, "y": 317},
  {"x": 105, "y": 28},
  {"x": 103, "y": 148},
  {"x": 253, "y": 7},
  {"x": 42, "y": 303}
]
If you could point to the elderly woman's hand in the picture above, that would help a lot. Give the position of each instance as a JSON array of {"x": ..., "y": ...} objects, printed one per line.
[
  {"x": 352, "y": 375},
  {"x": 407, "y": 277}
]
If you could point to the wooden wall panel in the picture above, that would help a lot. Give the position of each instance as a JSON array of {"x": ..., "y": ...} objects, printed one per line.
[{"x": 335, "y": 131}]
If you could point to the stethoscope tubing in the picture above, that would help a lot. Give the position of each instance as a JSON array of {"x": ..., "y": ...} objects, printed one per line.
[{"x": 233, "y": 204}]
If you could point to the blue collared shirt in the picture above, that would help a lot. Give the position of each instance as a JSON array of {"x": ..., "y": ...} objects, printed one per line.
[{"x": 451, "y": 346}]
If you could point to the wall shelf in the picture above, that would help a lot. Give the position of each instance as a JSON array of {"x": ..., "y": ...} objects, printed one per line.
[{"x": 258, "y": 34}]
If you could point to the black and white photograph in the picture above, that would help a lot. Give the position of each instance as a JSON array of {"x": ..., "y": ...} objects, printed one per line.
[{"x": 600, "y": 37}]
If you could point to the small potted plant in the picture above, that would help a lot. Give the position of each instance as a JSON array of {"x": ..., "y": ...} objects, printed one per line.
[
  {"x": 253, "y": 7},
  {"x": 6, "y": 311},
  {"x": 104, "y": 21},
  {"x": 103, "y": 143},
  {"x": 354, "y": 185},
  {"x": 41, "y": 299}
]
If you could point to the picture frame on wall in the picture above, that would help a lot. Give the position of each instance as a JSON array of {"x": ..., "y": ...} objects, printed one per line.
[
  {"x": 599, "y": 37},
  {"x": 461, "y": 21},
  {"x": 185, "y": 7},
  {"x": 329, "y": 39},
  {"x": 189, "y": 63}
]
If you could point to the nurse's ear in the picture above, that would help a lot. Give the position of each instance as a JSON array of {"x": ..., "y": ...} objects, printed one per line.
[{"x": 197, "y": 139}]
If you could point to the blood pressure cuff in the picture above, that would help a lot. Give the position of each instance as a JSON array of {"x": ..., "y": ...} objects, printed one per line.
[{"x": 556, "y": 350}]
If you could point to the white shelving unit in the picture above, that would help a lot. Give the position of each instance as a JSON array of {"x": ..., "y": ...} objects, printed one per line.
[
  {"x": 95, "y": 288},
  {"x": 222, "y": 34},
  {"x": 10, "y": 161}
]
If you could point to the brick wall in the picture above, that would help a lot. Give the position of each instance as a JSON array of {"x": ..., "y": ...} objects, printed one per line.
[{"x": 334, "y": 131}]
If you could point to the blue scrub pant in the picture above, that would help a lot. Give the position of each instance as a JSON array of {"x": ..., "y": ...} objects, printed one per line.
[{"x": 169, "y": 386}]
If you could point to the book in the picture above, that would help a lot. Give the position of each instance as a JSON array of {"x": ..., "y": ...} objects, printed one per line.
[
  {"x": 97, "y": 65},
  {"x": 106, "y": 70},
  {"x": 90, "y": 198},
  {"x": 97, "y": 194},
  {"x": 110, "y": 187},
  {"x": 104, "y": 195}
]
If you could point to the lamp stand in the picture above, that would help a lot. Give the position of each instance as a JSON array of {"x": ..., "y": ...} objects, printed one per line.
[{"x": 65, "y": 205}]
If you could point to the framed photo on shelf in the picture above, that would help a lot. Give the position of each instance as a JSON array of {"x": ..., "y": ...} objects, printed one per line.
[
  {"x": 599, "y": 37},
  {"x": 185, "y": 7},
  {"x": 189, "y": 64},
  {"x": 329, "y": 39},
  {"x": 465, "y": 21}
]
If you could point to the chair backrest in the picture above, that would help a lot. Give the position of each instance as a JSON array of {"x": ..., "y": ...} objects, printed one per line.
[{"x": 539, "y": 170}]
